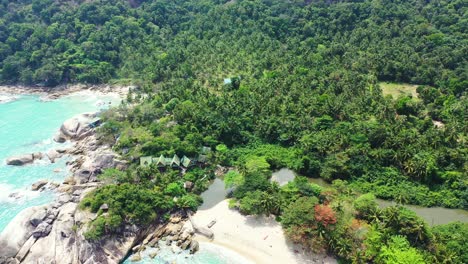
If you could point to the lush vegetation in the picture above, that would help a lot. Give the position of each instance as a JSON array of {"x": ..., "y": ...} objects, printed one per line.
[
  {"x": 309, "y": 80},
  {"x": 141, "y": 196},
  {"x": 351, "y": 226},
  {"x": 304, "y": 93}
]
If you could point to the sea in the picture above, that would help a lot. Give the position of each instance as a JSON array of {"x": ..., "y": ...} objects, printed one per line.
[{"x": 28, "y": 124}]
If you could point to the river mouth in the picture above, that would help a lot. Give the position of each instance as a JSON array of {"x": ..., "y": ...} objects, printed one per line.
[{"x": 432, "y": 215}]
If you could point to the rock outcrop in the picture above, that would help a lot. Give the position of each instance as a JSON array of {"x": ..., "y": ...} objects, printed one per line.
[
  {"x": 177, "y": 234},
  {"x": 30, "y": 158},
  {"x": 38, "y": 185},
  {"x": 55, "y": 233},
  {"x": 52, "y": 154},
  {"x": 75, "y": 128},
  {"x": 20, "y": 160}
]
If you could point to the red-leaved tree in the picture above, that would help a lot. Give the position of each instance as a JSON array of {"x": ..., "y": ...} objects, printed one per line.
[{"x": 324, "y": 215}]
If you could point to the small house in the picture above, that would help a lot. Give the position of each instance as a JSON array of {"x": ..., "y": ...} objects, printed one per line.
[
  {"x": 160, "y": 162},
  {"x": 187, "y": 162},
  {"x": 175, "y": 162},
  {"x": 146, "y": 161}
]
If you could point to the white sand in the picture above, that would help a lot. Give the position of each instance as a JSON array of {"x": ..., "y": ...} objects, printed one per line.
[{"x": 259, "y": 239}]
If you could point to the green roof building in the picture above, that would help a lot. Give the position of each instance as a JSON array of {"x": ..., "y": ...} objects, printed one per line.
[
  {"x": 175, "y": 162},
  {"x": 160, "y": 162},
  {"x": 146, "y": 161},
  {"x": 187, "y": 162}
]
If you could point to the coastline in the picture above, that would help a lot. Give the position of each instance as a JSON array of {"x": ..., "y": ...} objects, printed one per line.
[
  {"x": 260, "y": 239},
  {"x": 37, "y": 228},
  {"x": 48, "y": 93}
]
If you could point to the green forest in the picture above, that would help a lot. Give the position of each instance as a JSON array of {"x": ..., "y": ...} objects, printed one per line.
[{"x": 269, "y": 84}]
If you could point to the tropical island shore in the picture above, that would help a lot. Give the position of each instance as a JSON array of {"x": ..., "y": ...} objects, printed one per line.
[
  {"x": 48, "y": 93},
  {"x": 260, "y": 239},
  {"x": 29, "y": 235}
]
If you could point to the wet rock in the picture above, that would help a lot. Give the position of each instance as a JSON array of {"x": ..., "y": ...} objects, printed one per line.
[
  {"x": 38, "y": 185},
  {"x": 61, "y": 150},
  {"x": 153, "y": 242},
  {"x": 37, "y": 156},
  {"x": 153, "y": 254},
  {"x": 185, "y": 245},
  {"x": 14, "y": 195},
  {"x": 20, "y": 160},
  {"x": 59, "y": 138},
  {"x": 53, "y": 185},
  {"x": 42, "y": 230},
  {"x": 52, "y": 154},
  {"x": 194, "y": 246},
  {"x": 135, "y": 258}
]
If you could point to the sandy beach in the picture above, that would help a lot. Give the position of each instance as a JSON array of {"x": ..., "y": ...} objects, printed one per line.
[{"x": 259, "y": 239}]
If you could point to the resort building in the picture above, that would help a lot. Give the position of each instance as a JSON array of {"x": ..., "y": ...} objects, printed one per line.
[{"x": 176, "y": 162}]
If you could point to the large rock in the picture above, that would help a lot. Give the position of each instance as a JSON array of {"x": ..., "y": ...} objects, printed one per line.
[
  {"x": 38, "y": 185},
  {"x": 59, "y": 138},
  {"x": 17, "y": 232},
  {"x": 52, "y": 154},
  {"x": 38, "y": 216},
  {"x": 20, "y": 160},
  {"x": 173, "y": 229},
  {"x": 194, "y": 246},
  {"x": 42, "y": 230},
  {"x": 76, "y": 127}
]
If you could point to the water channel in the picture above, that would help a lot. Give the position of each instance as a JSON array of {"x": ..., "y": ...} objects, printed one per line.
[{"x": 432, "y": 215}]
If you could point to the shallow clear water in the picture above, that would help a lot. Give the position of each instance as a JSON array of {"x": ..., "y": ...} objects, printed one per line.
[
  {"x": 27, "y": 125},
  {"x": 209, "y": 253}
]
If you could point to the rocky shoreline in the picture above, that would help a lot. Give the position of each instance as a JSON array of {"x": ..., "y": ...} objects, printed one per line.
[
  {"x": 8, "y": 92},
  {"x": 60, "y": 226}
]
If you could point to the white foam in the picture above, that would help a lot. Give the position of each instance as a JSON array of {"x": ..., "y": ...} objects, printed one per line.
[
  {"x": 7, "y": 98},
  {"x": 8, "y": 194}
]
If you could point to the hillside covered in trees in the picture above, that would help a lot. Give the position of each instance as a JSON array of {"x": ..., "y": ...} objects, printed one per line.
[{"x": 271, "y": 84}]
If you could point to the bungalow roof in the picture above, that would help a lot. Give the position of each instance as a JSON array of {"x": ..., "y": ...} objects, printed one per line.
[{"x": 146, "y": 161}]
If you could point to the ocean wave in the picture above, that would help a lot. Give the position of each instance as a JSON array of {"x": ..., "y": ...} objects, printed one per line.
[
  {"x": 8, "y": 194},
  {"x": 7, "y": 98}
]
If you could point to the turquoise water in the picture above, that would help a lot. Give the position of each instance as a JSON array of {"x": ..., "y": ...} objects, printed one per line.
[
  {"x": 209, "y": 253},
  {"x": 27, "y": 125}
]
